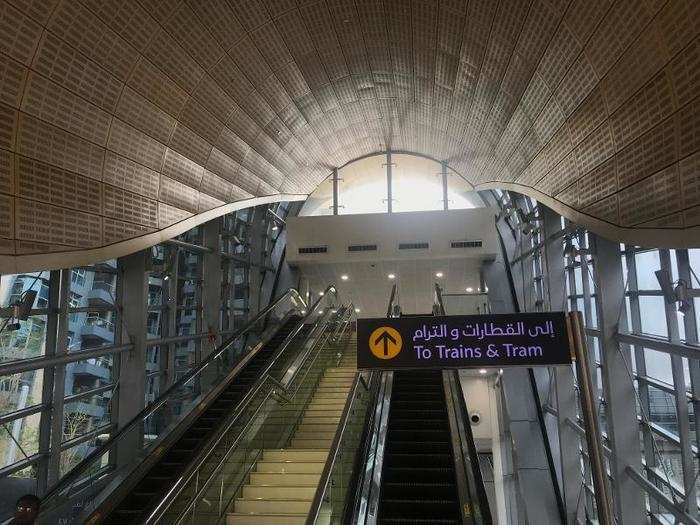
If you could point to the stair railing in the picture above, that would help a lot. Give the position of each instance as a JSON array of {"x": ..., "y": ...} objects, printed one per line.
[
  {"x": 340, "y": 472},
  {"x": 252, "y": 414}
]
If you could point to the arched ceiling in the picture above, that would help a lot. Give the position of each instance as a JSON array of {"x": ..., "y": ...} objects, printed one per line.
[{"x": 121, "y": 118}]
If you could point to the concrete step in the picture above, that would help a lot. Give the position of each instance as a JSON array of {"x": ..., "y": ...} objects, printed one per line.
[
  {"x": 295, "y": 467},
  {"x": 311, "y": 443},
  {"x": 329, "y": 419},
  {"x": 312, "y": 434},
  {"x": 273, "y": 492},
  {"x": 272, "y": 506},
  {"x": 329, "y": 395},
  {"x": 322, "y": 427},
  {"x": 284, "y": 479},
  {"x": 265, "y": 519},
  {"x": 286, "y": 454}
]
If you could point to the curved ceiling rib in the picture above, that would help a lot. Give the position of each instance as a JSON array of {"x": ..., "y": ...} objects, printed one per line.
[{"x": 122, "y": 118}]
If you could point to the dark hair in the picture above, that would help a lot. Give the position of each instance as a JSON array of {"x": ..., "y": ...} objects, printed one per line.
[{"x": 29, "y": 499}]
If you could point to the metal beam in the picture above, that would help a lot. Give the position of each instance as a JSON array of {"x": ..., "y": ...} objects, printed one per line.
[
  {"x": 335, "y": 191},
  {"x": 619, "y": 392},
  {"x": 443, "y": 172},
  {"x": 389, "y": 193}
]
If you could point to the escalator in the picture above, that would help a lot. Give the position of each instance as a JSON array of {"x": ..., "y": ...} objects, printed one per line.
[
  {"x": 415, "y": 461},
  {"x": 163, "y": 474},
  {"x": 168, "y": 453},
  {"x": 418, "y": 474}
]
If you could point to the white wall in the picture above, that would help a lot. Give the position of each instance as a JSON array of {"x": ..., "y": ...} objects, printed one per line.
[{"x": 388, "y": 230}]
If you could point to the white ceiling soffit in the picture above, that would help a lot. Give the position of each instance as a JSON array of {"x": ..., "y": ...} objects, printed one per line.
[{"x": 121, "y": 118}]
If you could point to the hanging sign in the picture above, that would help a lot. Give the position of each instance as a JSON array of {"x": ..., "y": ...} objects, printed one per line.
[{"x": 463, "y": 341}]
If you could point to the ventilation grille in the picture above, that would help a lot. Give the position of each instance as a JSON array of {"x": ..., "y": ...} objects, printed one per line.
[
  {"x": 313, "y": 249},
  {"x": 413, "y": 246},
  {"x": 362, "y": 248},
  {"x": 466, "y": 244}
]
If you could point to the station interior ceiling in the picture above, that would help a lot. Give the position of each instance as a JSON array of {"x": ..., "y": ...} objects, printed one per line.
[{"x": 126, "y": 122}]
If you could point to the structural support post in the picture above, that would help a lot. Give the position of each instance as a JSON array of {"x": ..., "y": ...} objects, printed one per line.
[
  {"x": 335, "y": 191},
  {"x": 590, "y": 418},
  {"x": 443, "y": 173},
  {"x": 389, "y": 196},
  {"x": 58, "y": 383},
  {"x": 564, "y": 382},
  {"x": 132, "y": 369},
  {"x": 618, "y": 389},
  {"x": 211, "y": 285}
]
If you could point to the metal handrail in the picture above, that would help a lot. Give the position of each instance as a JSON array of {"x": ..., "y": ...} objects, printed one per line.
[
  {"x": 240, "y": 409},
  {"x": 438, "y": 298},
  {"x": 358, "y": 382},
  {"x": 470, "y": 474},
  {"x": 162, "y": 399},
  {"x": 391, "y": 301}
]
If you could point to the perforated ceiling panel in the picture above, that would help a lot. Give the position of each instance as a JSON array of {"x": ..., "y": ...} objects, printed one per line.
[{"x": 122, "y": 117}]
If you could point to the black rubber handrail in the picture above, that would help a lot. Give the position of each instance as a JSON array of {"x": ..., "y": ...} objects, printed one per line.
[{"x": 76, "y": 472}]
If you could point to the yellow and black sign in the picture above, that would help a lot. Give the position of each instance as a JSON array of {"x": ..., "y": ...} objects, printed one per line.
[
  {"x": 385, "y": 342},
  {"x": 463, "y": 341}
]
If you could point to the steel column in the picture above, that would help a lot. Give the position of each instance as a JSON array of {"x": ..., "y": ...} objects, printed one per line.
[
  {"x": 564, "y": 381},
  {"x": 335, "y": 191},
  {"x": 389, "y": 194},
  {"x": 620, "y": 396},
  {"x": 211, "y": 285},
  {"x": 443, "y": 173}
]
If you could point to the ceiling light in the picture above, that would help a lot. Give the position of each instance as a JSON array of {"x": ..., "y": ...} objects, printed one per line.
[
  {"x": 391, "y": 276},
  {"x": 320, "y": 312},
  {"x": 438, "y": 274},
  {"x": 344, "y": 277},
  {"x": 303, "y": 312},
  {"x": 470, "y": 289},
  {"x": 320, "y": 293},
  {"x": 357, "y": 310},
  {"x": 275, "y": 228},
  {"x": 482, "y": 371},
  {"x": 486, "y": 288}
]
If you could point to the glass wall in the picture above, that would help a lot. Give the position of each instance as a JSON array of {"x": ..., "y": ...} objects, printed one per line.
[
  {"x": 655, "y": 332},
  {"x": 417, "y": 184},
  {"x": 52, "y": 414}
]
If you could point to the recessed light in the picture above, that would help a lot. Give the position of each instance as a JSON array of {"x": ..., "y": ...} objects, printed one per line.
[
  {"x": 275, "y": 228},
  {"x": 320, "y": 312},
  {"x": 391, "y": 276},
  {"x": 438, "y": 274},
  {"x": 482, "y": 371},
  {"x": 357, "y": 310},
  {"x": 303, "y": 312},
  {"x": 320, "y": 293},
  {"x": 344, "y": 277},
  {"x": 470, "y": 289},
  {"x": 332, "y": 311}
]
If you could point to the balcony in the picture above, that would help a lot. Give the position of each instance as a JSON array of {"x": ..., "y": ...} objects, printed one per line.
[
  {"x": 97, "y": 331},
  {"x": 101, "y": 294}
]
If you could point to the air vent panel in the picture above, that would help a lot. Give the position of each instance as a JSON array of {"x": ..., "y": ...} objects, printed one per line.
[
  {"x": 313, "y": 249},
  {"x": 466, "y": 244},
  {"x": 414, "y": 246},
  {"x": 362, "y": 248}
]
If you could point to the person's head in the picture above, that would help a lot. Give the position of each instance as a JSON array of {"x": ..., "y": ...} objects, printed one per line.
[{"x": 27, "y": 509}]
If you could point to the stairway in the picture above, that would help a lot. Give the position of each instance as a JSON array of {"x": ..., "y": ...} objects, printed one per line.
[
  {"x": 281, "y": 489},
  {"x": 418, "y": 477},
  {"x": 164, "y": 473}
]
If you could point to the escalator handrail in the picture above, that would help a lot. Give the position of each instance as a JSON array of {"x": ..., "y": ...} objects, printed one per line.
[
  {"x": 438, "y": 298},
  {"x": 76, "y": 472},
  {"x": 278, "y": 387},
  {"x": 358, "y": 383},
  {"x": 470, "y": 456}
]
